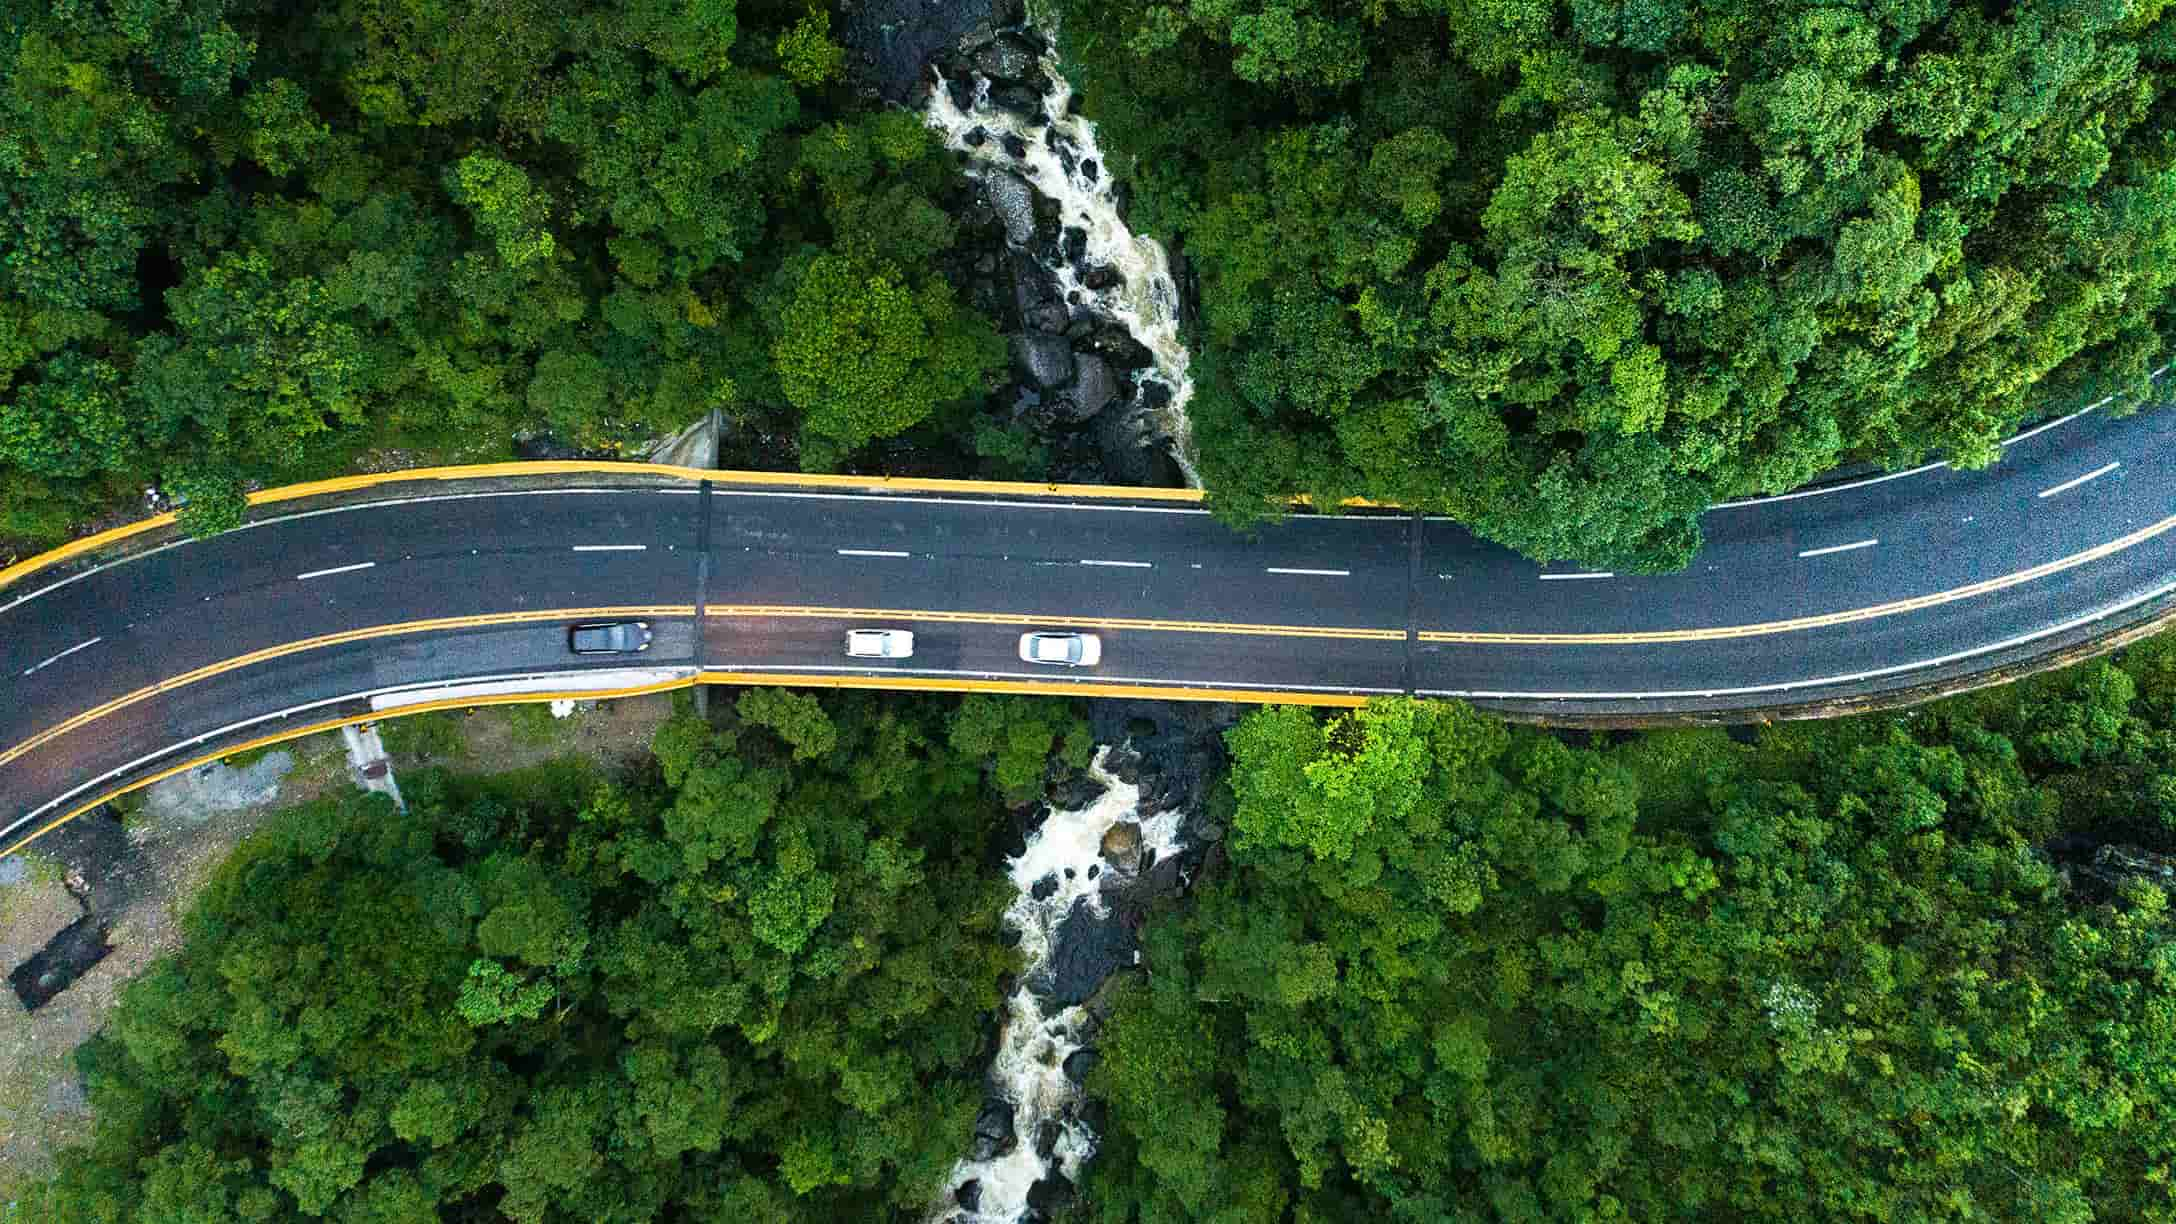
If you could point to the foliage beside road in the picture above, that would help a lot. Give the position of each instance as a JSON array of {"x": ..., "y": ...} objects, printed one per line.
[
  {"x": 250, "y": 241},
  {"x": 1571, "y": 273},
  {"x": 1907, "y": 966},
  {"x": 757, "y": 984}
]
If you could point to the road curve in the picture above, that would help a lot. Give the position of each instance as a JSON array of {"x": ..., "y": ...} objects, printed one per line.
[{"x": 111, "y": 672}]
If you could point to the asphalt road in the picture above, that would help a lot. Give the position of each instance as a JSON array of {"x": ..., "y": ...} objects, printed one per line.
[{"x": 1858, "y": 588}]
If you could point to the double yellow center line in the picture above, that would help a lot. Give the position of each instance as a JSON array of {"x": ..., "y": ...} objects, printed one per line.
[
  {"x": 1146, "y": 624},
  {"x": 210, "y": 670},
  {"x": 1824, "y": 620}
]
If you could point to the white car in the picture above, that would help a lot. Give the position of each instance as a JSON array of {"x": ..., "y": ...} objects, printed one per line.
[
  {"x": 1061, "y": 649},
  {"x": 879, "y": 644}
]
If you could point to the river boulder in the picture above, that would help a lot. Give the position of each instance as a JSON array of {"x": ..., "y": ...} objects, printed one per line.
[
  {"x": 1122, "y": 845},
  {"x": 1086, "y": 948},
  {"x": 1014, "y": 201},
  {"x": 1094, "y": 387},
  {"x": 993, "y": 1130},
  {"x": 1008, "y": 58},
  {"x": 1044, "y": 360}
]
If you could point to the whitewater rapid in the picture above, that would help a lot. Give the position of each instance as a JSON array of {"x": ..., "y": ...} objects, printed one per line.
[
  {"x": 1145, "y": 299},
  {"x": 1065, "y": 857}
]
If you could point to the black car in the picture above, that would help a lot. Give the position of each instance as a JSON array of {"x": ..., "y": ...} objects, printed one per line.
[{"x": 610, "y": 637}]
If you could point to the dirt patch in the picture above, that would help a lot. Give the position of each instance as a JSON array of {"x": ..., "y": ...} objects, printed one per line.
[
  {"x": 615, "y": 732},
  {"x": 134, "y": 872},
  {"x": 134, "y": 878}
]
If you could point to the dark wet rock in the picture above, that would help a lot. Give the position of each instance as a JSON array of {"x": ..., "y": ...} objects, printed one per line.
[
  {"x": 1075, "y": 791},
  {"x": 1088, "y": 170},
  {"x": 1015, "y": 147},
  {"x": 1079, "y": 329},
  {"x": 1021, "y": 100},
  {"x": 1045, "y": 888},
  {"x": 1123, "y": 763},
  {"x": 1046, "y": 217},
  {"x": 1162, "y": 878},
  {"x": 1047, "y": 317},
  {"x": 969, "y": 1194},
  {"x": 1046, "y": 1138},
  {"x": 985, "y": 264},
  {"x": 1014, "y": 201},
  {"x": 1074, "y": 244},
  {"x": 993, "y": 1130},
  {"x": 1008, "y": 58},
  {"x": 1050, "y": 1195},
  {"x": 1122, "y": 845},
  {"x": 1180, "y": 745},
  {"x": 1122, "y": 441},
  {"x": 1164, "y": 470},
  {"x": 2111, "y": 867},
  {"x": 1101, "y": 277},
  {"x": 1085, "y": 949},
  {"x": 975, "y": 137},
  {"x": 1079, "y": 1063},
  {"x": 1115, "y": 342},
  {"x": 1044, "y": 360},
  {"x": 894, "y": 41},
  {"x": 1094, "y": 387}
]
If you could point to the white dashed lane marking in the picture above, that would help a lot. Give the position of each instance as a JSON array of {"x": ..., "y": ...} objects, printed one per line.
[
  {"x": 62, "y": 655},
  {"x": 2067, "y": 485},
  {"x": 337, "y": 569},
  {"x": 1837, "y": 548}
]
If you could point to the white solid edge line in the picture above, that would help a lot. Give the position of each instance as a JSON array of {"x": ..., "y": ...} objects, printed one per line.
[
  {"x": 422, "y": 688},
  {"x": 1570, "y": 577},
  {"x": 1823, "y": 681},
  {"x": 1837, "y": 548},
  {"x": 63, "y": 654},
  {"x": 2073, "y": 483},
  {"x": 304, "y": 514},
  {"x": 1067, "y": 676},
  {"x": 611, "y": 547},
  {"x": 1123, "y": 564},
  {"x": 965, "y": 500},
  {"x": 1315, "y": 573},
  {"x": 674, "y": 674},
  {"x": 337, "y": 569},
  {"x": 1923, "y": 468},
  {"x": 873, "y": 552}
]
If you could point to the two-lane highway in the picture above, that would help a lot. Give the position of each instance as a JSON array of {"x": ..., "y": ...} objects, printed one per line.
[{"x": 110, "y": 672}]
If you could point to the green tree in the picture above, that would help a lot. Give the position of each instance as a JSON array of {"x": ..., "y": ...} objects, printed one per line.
[
  {"x": 866, "y": 355},
  {"x": 1677, "y": 252},
  {"x": 1458, "y": 970},
  {"x": 542, "y": 995}
]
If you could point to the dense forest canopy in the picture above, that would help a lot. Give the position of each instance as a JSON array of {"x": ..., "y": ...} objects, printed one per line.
[
  {"x": 1892, "y": 968},
  {"x": 755, "y": 985},
  {"x": 251, "y": 239},
  {"x": 1914, "y": 966},
  {"x": 1567, "y": 273},
  {"x": 1570, "y": 272}
]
